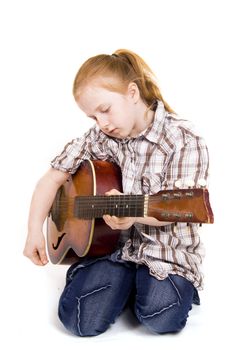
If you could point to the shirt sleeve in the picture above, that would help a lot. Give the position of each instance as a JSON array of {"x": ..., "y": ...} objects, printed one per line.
[
  {"x": 189, "y": 165},
  {"x": 86, "y": 147}
]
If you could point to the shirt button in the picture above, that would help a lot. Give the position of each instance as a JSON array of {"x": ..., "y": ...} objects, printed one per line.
[
  {"x": 189, "y": 183},
  {"x": 178, "y": 184},
  {"x": 202, "y": 182}
]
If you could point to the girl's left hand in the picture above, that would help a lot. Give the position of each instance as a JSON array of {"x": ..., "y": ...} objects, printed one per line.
[{"x": 113, "y": 221}]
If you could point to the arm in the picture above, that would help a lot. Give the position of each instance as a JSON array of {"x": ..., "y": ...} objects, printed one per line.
[{"x": 41, "y": 203}]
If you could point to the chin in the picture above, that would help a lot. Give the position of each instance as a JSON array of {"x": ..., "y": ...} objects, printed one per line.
[{"x": 118, "y": 135}]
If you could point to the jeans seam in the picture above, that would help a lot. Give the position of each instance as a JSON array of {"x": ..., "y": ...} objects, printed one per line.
[
  {"x": 79, "y": 304},
  {"x": 160, "y": 311},
  {"x": 175, "y": 303},
  {"x": 176, "y": 289}
]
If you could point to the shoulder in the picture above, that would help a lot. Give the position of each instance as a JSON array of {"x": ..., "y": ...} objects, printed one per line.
[
  {"x": 180, "y": 131},
  {"x": 170, "y": 131}
]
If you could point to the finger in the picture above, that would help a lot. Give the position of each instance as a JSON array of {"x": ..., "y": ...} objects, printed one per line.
[
  {"x": 43, "y": 256},
  {"x": 119, "y": 221},
  {"x": 38, "y": 258},
  {"x": 112, "y": 192},
  {"x": 106, "y": 217},
  {"x": 122, "y": 223},
  {"x": 114, "y": 220},
  {"x": 108, "y": 220},
  {"x": 35, "y": 258}
]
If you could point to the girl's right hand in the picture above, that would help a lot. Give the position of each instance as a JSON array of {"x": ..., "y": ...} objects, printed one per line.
[{"x": 35, "y": 249}]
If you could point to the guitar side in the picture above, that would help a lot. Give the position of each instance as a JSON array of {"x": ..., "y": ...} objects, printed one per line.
[{"x": 68, "y": 237}]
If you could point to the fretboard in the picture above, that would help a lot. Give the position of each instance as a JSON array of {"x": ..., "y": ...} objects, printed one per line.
[{"x": 89, "y": 207}]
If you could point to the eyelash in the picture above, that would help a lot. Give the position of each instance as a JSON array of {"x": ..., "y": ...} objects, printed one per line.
[{"x": 105, "y": 111}]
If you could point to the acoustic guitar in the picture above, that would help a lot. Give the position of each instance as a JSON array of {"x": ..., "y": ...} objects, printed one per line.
[{"x": 75, "y": 227}]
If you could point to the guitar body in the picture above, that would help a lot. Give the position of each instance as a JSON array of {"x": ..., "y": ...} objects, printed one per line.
[{"x": 69, "y": 237}]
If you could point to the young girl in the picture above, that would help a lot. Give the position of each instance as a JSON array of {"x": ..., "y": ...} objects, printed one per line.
[{"x": 157, "y": 269}]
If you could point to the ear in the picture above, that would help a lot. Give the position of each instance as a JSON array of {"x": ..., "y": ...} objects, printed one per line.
[{"x": 133, "y": 92}]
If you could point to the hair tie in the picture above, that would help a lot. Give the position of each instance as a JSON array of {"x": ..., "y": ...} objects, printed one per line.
[{"x": 115, "y": 55}]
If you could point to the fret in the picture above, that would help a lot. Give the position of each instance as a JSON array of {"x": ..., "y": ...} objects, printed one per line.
[{"x": 89, "y": 207}]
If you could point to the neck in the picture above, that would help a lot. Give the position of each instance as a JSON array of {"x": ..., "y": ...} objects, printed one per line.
[{"x": 144, "y": 119}]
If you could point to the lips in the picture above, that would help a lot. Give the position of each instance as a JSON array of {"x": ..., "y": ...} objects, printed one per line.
[{"x": 111, "y": 131}]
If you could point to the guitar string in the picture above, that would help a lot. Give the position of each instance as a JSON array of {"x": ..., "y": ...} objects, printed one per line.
[
  {"x": 136, "y": 197},
  {"x": 108, "y": 199},
  {"x": 87, "y": 204},
  {"x": 103, "y": 204},
  {"x": 116, "y": 202}
]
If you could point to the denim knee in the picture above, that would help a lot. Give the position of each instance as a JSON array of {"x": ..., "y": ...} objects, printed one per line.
[
  {"x": 163, "y": 306},
  {"x": 70, "y": 314},
  {"x": 94, "y": 296},
  {"x": 167, "y": 320}
]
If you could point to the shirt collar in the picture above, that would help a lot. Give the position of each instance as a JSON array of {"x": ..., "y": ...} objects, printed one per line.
[{"x": 154, "y": 132}]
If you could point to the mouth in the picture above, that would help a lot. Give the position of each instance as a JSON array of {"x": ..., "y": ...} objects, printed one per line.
[{"x": 112, "y": 131}]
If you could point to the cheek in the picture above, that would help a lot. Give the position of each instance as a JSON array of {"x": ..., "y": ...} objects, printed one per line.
[{"x": 122, "y": 116}]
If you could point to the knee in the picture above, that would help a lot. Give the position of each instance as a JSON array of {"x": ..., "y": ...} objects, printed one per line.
[
  {"x": 164, "y": 306},
  {"x": 170, "y": 320},
  {"x": 77, "y": 322},
  {"x": 83, "y": 315}
]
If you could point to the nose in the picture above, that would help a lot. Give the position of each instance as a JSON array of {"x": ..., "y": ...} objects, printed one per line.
[{"x": 102, "y": 122}]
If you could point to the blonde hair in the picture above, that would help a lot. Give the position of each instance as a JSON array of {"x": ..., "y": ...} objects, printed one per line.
[{"x": 125, "y": 66}]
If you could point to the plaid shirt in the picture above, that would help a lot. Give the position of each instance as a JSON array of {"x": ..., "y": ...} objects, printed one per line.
[{"x": 169, "y": 150}]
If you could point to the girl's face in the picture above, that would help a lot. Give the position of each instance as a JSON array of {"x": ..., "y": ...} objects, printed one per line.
[{"x": 115, "y": 113}]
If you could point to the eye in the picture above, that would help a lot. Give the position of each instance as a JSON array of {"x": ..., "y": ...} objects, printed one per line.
[{"x": 106, "y": 110}]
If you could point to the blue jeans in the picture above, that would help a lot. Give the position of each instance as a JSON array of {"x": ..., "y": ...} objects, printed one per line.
[{"x": 98, "y": 290}]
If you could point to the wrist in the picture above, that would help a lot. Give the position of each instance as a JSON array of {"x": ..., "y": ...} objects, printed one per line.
[
  {"x": 35, "y": 226},
  {"x": 150, "y": 221}
]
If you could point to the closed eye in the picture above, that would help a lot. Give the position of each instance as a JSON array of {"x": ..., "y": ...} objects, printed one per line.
[
  {"x": 103, "y": 111},
  {"x": 106, "y": 110}
]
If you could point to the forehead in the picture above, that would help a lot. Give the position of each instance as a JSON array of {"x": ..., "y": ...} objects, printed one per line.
[{"x": 94, "y": 95}]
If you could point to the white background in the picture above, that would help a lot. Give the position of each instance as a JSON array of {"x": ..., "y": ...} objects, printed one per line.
[{"x": 188, "y": 44}]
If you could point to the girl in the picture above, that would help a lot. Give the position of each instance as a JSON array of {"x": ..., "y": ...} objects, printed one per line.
[{"x": 157, "y": 269}]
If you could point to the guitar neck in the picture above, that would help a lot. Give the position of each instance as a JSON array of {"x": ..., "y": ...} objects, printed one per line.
[
  {"x": 89, "y": 207},
  {"x": 185, "y": 205}
]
